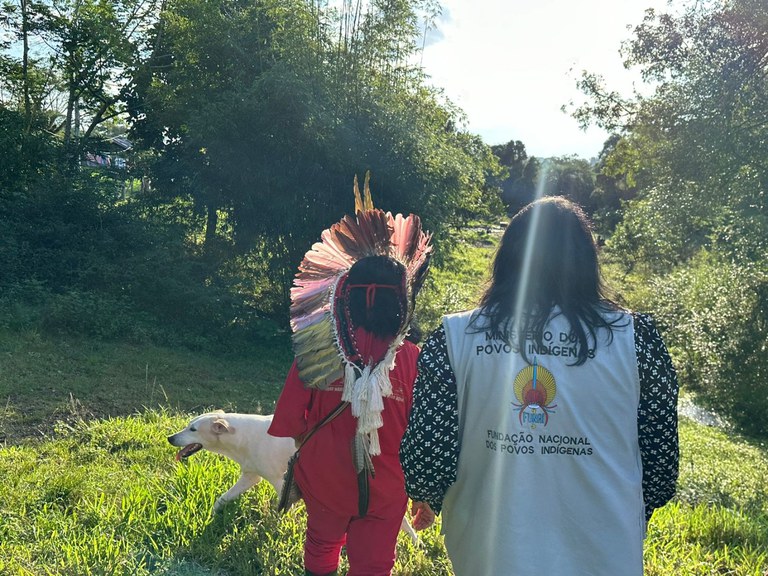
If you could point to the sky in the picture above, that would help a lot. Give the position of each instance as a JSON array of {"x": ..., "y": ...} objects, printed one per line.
[{"x": 512, "y": 64}]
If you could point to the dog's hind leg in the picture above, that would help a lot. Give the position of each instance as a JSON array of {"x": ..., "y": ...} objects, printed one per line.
[{"x": 246, "y": 481}]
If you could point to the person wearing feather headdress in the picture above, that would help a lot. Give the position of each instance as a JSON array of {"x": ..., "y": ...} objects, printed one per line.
[{"x": 348, "y": 394}]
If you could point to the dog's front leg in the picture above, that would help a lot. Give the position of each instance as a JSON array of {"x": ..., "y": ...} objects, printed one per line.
[{"x": 246, "y": 480}]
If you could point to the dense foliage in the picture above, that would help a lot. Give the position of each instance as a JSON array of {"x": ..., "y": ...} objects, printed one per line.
[
  {"x": 248, "y": 119},
  {"x": 263, "y": 111},
  {"x": 691, "y": 161}
]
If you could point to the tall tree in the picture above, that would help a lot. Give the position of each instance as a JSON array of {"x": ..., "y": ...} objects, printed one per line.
[
  {"x": 264, "y": 110},
  {"x": 572, "y": 177},
  {"x": 697, "y": 229},
  {"x": 75, "y": 76},
  {"x": 705, "y": 122},
  {"x": 512, "y": 157}
]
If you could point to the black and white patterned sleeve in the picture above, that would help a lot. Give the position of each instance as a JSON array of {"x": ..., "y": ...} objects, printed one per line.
[
  {"x": 429, "y": 451},
  {"x": 656, "y": 415}
]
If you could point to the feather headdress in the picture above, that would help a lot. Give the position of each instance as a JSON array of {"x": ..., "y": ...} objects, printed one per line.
[{"x": 322, "y": 335}]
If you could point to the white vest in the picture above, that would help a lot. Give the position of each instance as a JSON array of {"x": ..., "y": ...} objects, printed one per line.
[{"x": 549, "y": 476}]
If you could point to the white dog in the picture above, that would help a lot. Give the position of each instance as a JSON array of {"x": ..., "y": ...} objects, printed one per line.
[{"x": 244, "y": 439}]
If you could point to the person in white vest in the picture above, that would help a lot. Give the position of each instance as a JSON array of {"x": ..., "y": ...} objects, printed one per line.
[{"x": 544, "y": 422}]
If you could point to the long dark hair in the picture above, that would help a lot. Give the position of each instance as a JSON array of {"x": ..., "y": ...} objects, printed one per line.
[
  {"x": 383, "y": 311},
  {"x": 547, "y": 258}
]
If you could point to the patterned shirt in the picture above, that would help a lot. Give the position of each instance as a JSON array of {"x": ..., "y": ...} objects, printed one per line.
[{"x": 430, "y": 449}]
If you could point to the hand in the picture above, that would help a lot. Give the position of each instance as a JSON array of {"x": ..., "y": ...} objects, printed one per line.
[{"x": 422, "y": 515}]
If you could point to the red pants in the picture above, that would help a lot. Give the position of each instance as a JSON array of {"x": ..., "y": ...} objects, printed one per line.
[{"x": 370, "y": 540}]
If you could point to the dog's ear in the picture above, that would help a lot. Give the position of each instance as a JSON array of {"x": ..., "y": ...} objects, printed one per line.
[{"x": 220, "y": 425}]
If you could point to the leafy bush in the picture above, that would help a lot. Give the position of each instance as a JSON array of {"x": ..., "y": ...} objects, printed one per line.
[
  {"x": 77, "y": 260},
  {"x": 715, "y": 316},
  {"x": 663, "y": 228},
  {"x": 94, "y": 314}
]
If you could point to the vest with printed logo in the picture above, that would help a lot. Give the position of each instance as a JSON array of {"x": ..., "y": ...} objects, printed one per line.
[{"x": 549, "y": 477}]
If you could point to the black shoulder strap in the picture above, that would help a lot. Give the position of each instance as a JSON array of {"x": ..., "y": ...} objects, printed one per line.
[{"x": 330, "y": 416}]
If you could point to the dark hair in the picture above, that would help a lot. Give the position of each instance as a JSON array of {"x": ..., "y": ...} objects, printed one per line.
[
  {"x": 547, "y": 258},
  {"x": 415, "y": 333},
  {"x": 388, "y": 308}
]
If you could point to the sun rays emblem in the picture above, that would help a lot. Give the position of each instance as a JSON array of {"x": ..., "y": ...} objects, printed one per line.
[{"x": 535, "y": 390}]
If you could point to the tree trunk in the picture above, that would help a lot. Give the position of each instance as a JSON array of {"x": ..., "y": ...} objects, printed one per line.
[
  {"x": 25, "y": 65},
  {"x": 70, "y": 113},
  {"x": 211, "y": 224}
]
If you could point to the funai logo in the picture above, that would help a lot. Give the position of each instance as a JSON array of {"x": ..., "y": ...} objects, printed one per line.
[{"x": 535, "y": 390}]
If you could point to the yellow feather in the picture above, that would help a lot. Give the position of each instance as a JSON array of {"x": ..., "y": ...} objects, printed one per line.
[
  {"x": 322, "y": 376},
  {"x": 314, "y": 336},
  {"x": 358, "y": 200},
  {"x": 315, "y": 361},
  {"x": 368, "y": 202}
]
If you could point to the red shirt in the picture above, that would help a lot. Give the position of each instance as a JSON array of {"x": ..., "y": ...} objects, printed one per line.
[{"x": 325, "y": 471}]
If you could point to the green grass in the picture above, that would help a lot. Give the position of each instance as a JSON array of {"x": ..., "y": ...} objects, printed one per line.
[
  {"x": 45, "y": 379},
  {"x": 718, "y": 522},
  {"x": 461, "y": 278},
  {"x": 106, "y": 496}
]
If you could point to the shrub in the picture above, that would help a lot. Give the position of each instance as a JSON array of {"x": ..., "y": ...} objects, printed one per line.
[
  {"x": 76, "y": 259},
  {"x": 715, "y": 316}
]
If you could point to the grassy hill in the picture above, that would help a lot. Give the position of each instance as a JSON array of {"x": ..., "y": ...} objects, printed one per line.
[{"x": 46, "y": 379}]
